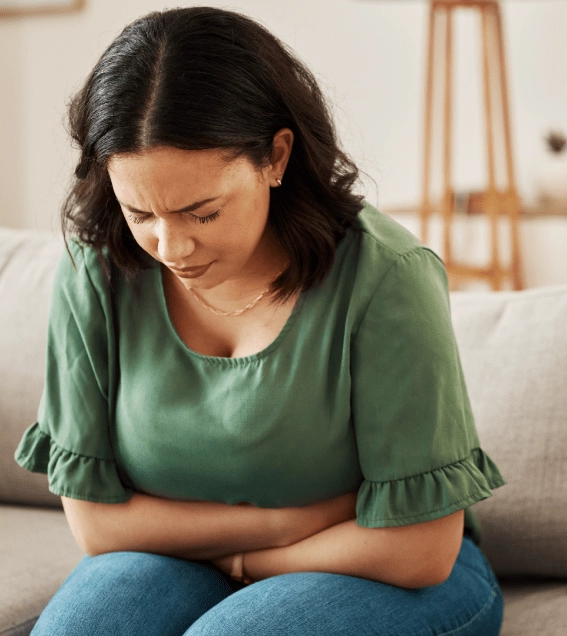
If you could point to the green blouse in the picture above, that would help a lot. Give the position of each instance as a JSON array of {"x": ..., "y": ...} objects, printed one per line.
[{"x": 361, "y": 390}]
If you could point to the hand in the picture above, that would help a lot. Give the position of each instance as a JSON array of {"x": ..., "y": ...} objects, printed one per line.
[{"x": 225, "y": 565}]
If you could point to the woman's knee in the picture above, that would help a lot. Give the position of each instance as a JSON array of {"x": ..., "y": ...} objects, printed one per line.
[
  {"x": 294, "y": 604},
  {"x": 125, "y": 593}
]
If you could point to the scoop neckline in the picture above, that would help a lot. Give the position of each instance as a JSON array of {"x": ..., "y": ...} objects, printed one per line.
[{"x": 231, "y": 362}]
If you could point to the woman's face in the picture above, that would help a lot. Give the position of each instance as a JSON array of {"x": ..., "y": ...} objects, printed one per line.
[{"x": 193, "y": 211}]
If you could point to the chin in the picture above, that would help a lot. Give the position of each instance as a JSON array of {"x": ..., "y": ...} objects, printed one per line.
[{"x": 197, "y": 283}]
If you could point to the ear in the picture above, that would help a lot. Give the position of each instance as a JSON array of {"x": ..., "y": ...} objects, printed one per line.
[{"x": 282, "y": 145}]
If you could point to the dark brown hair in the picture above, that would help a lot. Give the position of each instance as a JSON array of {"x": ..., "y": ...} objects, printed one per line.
[{"x": 199, "y": 78}]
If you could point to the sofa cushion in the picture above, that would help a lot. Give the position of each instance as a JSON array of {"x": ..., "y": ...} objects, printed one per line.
[
  {"x": 37, "y": 552},
  {"x": 27, "y": 265},
  {"x": 534, "y": 607},
  {"x": 513, "y": 348}
]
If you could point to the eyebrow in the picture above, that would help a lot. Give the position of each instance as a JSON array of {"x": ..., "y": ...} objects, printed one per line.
[{"x": 187, "y": 208}]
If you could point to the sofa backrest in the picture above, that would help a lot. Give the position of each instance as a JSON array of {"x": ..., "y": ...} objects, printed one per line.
[
  {"x": 27, "y": 264},
  {"x": 513, "y": 347}
]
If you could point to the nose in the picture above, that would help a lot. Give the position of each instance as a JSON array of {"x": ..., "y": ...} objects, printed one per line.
[{"x": 174, "y": 246}]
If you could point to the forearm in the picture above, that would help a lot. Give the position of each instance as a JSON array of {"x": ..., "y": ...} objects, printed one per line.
[
  {"x": 185, "y": 529},
  {"x": 387, "y": 555}
]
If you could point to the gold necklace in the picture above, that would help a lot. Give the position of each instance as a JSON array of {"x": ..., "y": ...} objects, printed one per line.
[{"x": 218, "y": 312}]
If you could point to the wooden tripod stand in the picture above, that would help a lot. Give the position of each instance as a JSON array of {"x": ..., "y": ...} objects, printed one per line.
[{"x": 494, "y": 202}]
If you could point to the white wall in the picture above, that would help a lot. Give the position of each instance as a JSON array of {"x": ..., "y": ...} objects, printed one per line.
[{"x": 369, "y": 57}]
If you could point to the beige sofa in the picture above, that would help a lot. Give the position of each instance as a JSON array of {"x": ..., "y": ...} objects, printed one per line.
[{"x": 514, "y": 352}]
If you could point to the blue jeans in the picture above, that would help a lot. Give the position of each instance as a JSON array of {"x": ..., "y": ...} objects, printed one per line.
[{"x": 144, "y": 594}]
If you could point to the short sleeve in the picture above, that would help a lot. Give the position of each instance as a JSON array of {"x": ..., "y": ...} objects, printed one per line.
[
  {"x": 418, "y": 447},
  {"x": 70, "y": 440}
]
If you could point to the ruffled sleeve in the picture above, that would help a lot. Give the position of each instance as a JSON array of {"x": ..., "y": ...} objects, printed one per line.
[
  {"x": 71, "y": 439},
  {"x": 418, "y": 446}
]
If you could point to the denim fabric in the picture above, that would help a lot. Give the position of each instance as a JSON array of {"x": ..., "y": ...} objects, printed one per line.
[{"x": 138, "y": 593}]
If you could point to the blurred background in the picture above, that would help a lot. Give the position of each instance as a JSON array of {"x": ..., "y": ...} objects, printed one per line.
[{"x": 370, "y": 59}]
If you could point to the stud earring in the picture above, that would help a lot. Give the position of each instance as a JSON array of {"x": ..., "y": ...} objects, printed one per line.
[{"x": 278, "y": 182}]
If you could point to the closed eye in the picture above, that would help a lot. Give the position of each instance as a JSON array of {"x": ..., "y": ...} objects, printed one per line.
[
  {"x": 205, "y": 219},
  {"x": 138, "y": 218}
]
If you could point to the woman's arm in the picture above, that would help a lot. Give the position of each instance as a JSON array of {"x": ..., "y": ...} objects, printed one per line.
[
  {"x": 412, "y": 556},
  {"x": 198, "y": 530}
]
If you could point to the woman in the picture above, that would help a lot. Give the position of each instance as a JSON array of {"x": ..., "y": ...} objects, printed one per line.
[{"x": 233, "y": 325}]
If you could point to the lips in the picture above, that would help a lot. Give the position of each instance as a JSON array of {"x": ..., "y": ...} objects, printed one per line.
[
  {"x": 189, "y": 269},
  {"x": 191, "y": 272}
]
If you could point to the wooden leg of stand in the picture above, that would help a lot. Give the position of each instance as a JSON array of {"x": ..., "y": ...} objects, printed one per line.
[
  {"x": 447, "y": 188},
  {"x": 513, "y": 209},
  {"x": 512, "y": 199},
  {"x": 491, "y": 196},
  {"x": 425, "y": 210}
]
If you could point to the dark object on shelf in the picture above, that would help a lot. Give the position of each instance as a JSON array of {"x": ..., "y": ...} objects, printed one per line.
[{"x": 556, "y": 141}]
